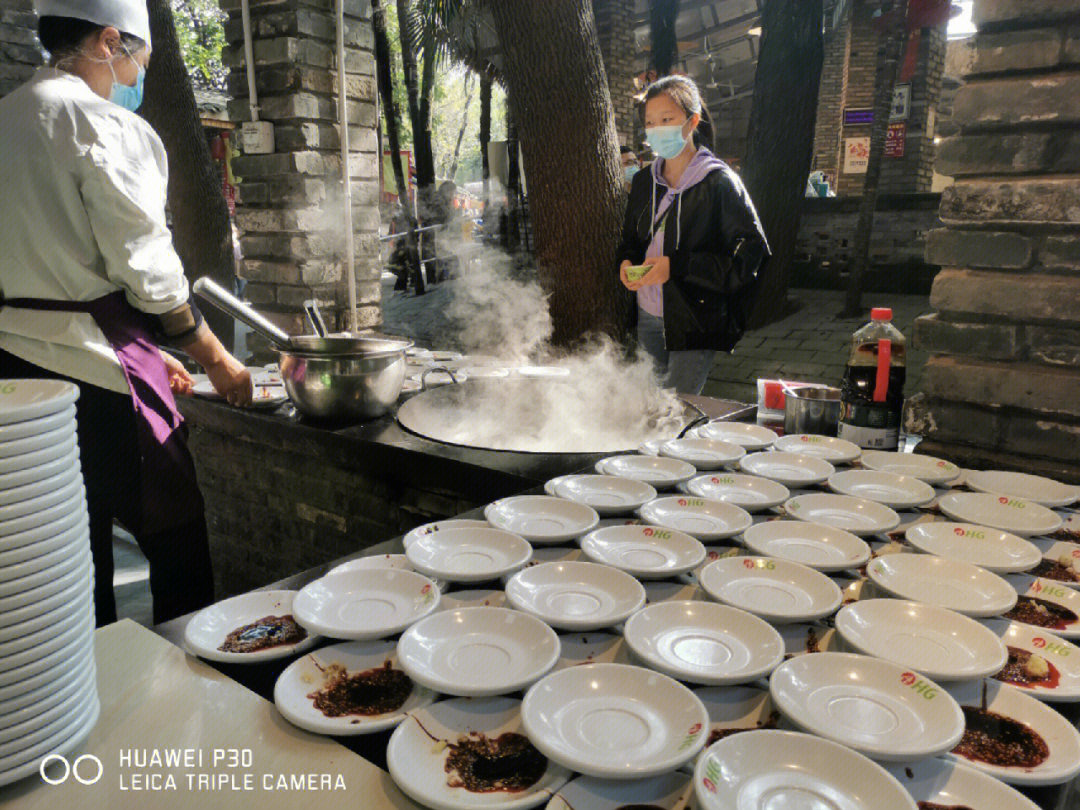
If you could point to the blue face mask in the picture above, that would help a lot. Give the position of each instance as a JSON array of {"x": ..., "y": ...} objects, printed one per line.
[
  {"x": 667, "y": 142},
  {"x": 630, "y": 171},
  {"x": 130, "y": 97}
]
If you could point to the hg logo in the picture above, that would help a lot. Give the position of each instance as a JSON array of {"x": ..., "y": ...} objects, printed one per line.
[
  {"x": 73, "y": 769},
  {"x": 921, "y": 687},
  {"x": 972, "y": 533}
]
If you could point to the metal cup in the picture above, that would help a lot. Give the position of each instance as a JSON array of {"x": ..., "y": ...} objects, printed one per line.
[{"x": 812, "y": 410}]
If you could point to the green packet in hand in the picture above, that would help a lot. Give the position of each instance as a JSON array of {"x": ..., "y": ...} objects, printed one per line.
[{"x": 637, "y": 272}]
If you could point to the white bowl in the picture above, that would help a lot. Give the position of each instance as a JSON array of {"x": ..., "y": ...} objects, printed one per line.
[
  {"x": 614, "y": 721},
  {"x": 1048, "y": 591},
  {"x": 666, "y": 792},
  {"x": 749, "y": 492},
  {"x": 20, "y": 729},
  {"x": 705, "y": 519},
  {"x": 36, "y": 543},
  {"x": 876, "y": 707},
  {"x": 38, "y": 442},
  {"x": 208, "y": 628},
  {"x": 594, "y": 647},
  {"x": 749, "y": 436},
  {"x": 541, "y": 518},
  {"x": 304, "y": 676},
  {"x": 946, "y": 783},
  {"x": 365, "y": 604},
  {"x": 76, "y": 504},
  {"x": 15, "y": 682},
  {"x": 793, "y": 771},
  {"x": 418, "y": 765},
  {"x": 607, "y": 494},
  {"x": 646, "y": 552},
  {"x": 660, "y": 472},
  {"x": 65, "y": 624},
  {"x": 1063, "y": 657},
  {"x": 64, "y": 493},
  {"x": 703, "y": 642},
  {"x": 1060, "y": 736},
  {"x": 650, "y": 448},
  {"x": 24, "y": 461},
  {"x": 46, "y": 486},
  {"x": 22, "y": 590},
  {"x": 439, "y": 525},
  {"x": 33, "y": 427},
  {"x": 1036, "y": 488},
  {"x": 576, "y": 595},
  {"x": 950, "y": 584},
  {"x": 824, "y": 548},
  {"x": 47, "y": 469},
  {"x": 484, "y": 597},
  {"x": 63, "y": 677},
  {"x": 22, "y": 400},
  {"x": 833, "y": 450},
  {"x": 76, "y": 585},
  {"x": 992, "y": 549},
  {"x": 895, "y": 491},
  {"x": 926, "y": 468},
  {"x": 478, "y": 651},
  {"x": 1021, "y": 517},
  {"x": 789, "y": 469},
  {"x": 855, "y": 515},
  {"x": 469, "y": 555},
  {"x": 941, "y": 644},
  {"x": 704, "y": 454},
  {"x": 776, "y": 590}
]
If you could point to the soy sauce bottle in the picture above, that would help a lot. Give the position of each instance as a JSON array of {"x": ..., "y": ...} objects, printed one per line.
[{"x": 872, "y": 393}]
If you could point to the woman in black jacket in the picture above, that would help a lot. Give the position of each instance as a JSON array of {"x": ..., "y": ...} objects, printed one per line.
[{"x": 690, "y": 220}]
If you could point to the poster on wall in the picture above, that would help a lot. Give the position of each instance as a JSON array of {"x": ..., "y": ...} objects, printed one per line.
[
  {"x": 856, "y": 155},
  {"x": 901, "y": 103},
  {"x": 895, "y": 138}
]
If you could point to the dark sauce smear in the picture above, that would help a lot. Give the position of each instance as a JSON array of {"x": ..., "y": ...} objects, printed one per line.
[
  {"x": 1040, "y": 613},
  {"x": 1052, "y": 569},
  {"x": 998, "y": 740},
  {"x": 1067, "y": 535},
  {"x": 374, "y": 691},
  {"x": 481, "y": 764},
  {"x": 1019, "y": 671},
  {"x": 720, "y": 733},
  {"x": 269, "y": 631}
]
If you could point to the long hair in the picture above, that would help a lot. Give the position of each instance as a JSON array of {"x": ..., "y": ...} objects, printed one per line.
[{"x": 683, "y": 91}]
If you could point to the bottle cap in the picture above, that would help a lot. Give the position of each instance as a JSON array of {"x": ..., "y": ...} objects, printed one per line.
[{"x": 881, "y": 314}]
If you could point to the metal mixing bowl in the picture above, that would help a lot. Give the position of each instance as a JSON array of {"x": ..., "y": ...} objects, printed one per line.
[{"x": 357, "y": 386}]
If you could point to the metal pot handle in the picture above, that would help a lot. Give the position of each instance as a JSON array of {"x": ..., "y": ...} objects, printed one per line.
[
  {"x": 231, "y": 305},
  {"x": 701, "y": 420},
  {"x": 424, "y": 376}
]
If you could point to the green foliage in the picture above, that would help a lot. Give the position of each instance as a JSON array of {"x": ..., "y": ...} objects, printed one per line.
[{"x": 200, "y": 27}]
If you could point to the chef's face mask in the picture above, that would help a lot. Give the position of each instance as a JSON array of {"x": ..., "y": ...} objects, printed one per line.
[
  {"x": 130, "y": 97},
  {"x": 667, "y": 141},
  {"x": 630, "y": 171}
]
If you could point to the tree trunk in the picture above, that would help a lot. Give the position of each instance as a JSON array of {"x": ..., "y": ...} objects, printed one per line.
[
  {"x": 200, "y": 216},
  {"x": 662, "y": 37},
  {"x": 464, "y": 125},
  {"x": 422, "y": 138},
  {"x": 512, "y": 231},
  {"x": 890, "y": 46},
  {"x": 559, "y": 94},
  {"x": 781, "y": 137},
  {"x": 409, "y": 37},
  {"x": 485, "y": 137}
]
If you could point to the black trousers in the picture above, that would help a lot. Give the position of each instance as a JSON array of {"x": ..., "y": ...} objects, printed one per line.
[{"x": 181, "y": 579}]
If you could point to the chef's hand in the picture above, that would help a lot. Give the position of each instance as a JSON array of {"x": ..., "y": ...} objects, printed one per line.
[
  {"x": 660, "y": 272},
  {"x": 180, "y": 381},
  {"x": 633, "y": 286},
  {"x": 231, "y": 380}
]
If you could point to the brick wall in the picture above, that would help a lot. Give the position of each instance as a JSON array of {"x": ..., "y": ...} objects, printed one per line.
[
  {"x": 289, "y": 209},
  {"x": 615, "y": 28},
  {"x": 831, "y": 92},
  {"x": 1003, "y": 385},
  {"x": 19, "y": 51}
]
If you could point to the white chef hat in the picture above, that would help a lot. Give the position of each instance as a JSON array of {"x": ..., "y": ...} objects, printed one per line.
[{"x": 127, "y": 16}]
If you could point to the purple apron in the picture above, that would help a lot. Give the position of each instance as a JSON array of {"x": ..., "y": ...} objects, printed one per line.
[{"x": 170, "y": 495}]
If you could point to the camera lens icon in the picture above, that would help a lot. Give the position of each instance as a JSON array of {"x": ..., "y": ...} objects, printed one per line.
[{"x": 86, "y": 769}]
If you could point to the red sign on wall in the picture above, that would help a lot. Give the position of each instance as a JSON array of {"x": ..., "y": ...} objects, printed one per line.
[{"x": 894, "y": 140}]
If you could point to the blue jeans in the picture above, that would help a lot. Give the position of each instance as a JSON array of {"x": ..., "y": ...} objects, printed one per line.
[{"x": 686, "y": 372}]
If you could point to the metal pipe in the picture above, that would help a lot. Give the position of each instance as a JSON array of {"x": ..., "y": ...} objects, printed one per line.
[
  {"x": 249, "y": 58},
  {"x": 343, "y": 108}
]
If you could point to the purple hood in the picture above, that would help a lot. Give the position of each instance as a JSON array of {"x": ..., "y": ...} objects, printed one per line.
[{"x": 702, "y": 165}]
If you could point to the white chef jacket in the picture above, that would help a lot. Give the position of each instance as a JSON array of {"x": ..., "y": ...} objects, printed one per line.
[{"x": 82, "y": 215}]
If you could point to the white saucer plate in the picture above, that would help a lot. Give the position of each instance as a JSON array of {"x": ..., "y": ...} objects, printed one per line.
[
  {"x": 821, "y": 547},
  {"x": 36, "y": 489},
  {"x": 667, "y": 792},
  {"x": 33, "y": 427},
  {"x": 607, "y": 494},
  {"x": 704, "y": 454},
  {"x": 926, "y": 468},
  {"x": 945, "y": 783},
  {"x": 750, "y": 492},
  {"x": 856, "y": 515},
  {"x": 939, "y": 643},
  {"x": 1061, "y": 681},
  {"x": 992, "y": 549},
  {"x": 889, "y": 489},
  {"x": 46, "y": 469},
  {"x": 1060, "y": 736},
  {"x": 705, "y": 519},
  {"x": 469, "y": 555},
  {"x": 878, "y": 708},
  {"x": 660, "y": 472},
  {"x": 750, "y": 436},
  {"x": 22, "y": 400},
  {"x": 1024, "y": 518},
  {"x": 645, "y": 552},
  {"x": 704, "y": 643},
  {"x": 307, "y": 674},
  {"x": 208, "y": 628},
  {"x": 576, "y": 596},
  {"x": 542, "y": 518},
  {"x": 833, "y": 450},
  {"x": 439, "y": 525},
  {"x": 1046, "y": 596},
  {"x": 778, "y": 591},
  {"x": 24, "y": 461},
  {"x": 614, "y": 721},
  {"x": 1036, "y": 488},
  {"x": 481, "y": 651},
  {"x": 365, "y": 604},
  {"x": 789, "y": 469},
  {"x": 759, "y": 770},
  {"x": 946, "y": 583}
]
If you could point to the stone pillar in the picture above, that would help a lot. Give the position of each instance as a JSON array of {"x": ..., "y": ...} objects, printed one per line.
[
  {"x": 615, "y": 29},
  {"x": 19, "y": 51},
  {"x": 289, "y": 209},
  {"x": 1002, "y": 388}
]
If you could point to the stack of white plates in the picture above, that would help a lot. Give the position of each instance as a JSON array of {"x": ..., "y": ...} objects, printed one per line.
[{"x": 48, "y": 688}]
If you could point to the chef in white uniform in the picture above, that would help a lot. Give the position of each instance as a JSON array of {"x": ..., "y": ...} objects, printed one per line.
[{"x": 91, "y": 286}]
